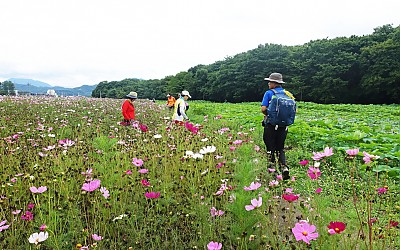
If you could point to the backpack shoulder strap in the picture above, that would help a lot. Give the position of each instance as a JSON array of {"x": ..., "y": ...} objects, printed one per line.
[{"x": 274, "y": 90}]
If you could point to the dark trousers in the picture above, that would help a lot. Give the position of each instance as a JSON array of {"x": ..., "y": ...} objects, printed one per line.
[{"x": 274, "y": 139}]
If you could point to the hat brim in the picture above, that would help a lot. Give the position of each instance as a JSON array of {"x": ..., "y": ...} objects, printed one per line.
[
  {"x": 273, "y": 80},
  {"x": 131, "y": 96}
]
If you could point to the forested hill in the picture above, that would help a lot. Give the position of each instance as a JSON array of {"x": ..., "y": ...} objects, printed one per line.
[{"x": 356, "y": 69}]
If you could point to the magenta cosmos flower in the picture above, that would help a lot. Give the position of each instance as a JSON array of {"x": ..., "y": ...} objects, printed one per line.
[
  {"x": 336, "y": 227},
  {"x": 152, "y": 195},
  {"x": 290, "y": 197},
  {"x": 214, "y": 246},
  {"x": 91, "y": 185},
  {"x": 143, "y": 128},
  {"x": 305, "y": 232},
  {"x": 145, "y": 183},
  {"x": 381, "y": 190},
  {"x": 304, "y": 162}
]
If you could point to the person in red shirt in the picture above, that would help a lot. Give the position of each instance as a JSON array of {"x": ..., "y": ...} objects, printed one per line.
[{"x": 128, "y": 110}]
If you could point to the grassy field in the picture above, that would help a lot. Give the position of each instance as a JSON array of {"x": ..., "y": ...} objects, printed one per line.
[{"x": 72, "y": 173}]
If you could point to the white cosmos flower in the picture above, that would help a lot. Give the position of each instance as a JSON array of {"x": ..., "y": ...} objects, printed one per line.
[
  {"x": 157, "y": 136},
  {"x": 197, "y": 156},
  {"x": 208, "y": 149},
  {"x": 204, "y": 140},
  {"x": 38, "y": 237}
]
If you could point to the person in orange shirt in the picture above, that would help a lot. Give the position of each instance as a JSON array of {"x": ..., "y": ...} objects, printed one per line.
[
  {"x": 128, "y": 110},
  {"x": 171, "y": 101}
]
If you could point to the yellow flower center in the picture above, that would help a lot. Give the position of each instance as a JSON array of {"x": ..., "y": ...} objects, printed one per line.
[{"x": 305, "y": 233}]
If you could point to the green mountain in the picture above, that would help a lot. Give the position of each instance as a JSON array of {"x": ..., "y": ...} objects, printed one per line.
[{"x": 38, "y": 87}]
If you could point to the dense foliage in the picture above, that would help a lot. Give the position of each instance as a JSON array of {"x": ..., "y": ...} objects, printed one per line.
[
  {"x": 74, "y": 178},
  {"x": 356, "y": 69}
]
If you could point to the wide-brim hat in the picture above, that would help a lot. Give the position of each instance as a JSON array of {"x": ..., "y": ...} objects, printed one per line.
[
  {"x": 132, "y": 95},
  {"x": 275, "y": 77},
  {"x": 185, "y": 92}
]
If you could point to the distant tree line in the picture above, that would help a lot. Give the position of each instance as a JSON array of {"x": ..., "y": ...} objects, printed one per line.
[
  {"x": 356, "y": 69},
  {"x": 7, "y": 88}
]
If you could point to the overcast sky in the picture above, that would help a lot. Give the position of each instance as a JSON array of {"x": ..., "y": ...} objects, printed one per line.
[{"x": 74, "y": 42}]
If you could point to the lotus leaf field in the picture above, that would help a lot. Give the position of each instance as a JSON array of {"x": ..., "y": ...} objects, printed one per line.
[{"x": 72, "y": 177}]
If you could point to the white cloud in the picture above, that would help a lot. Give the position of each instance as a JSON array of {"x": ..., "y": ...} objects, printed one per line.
[{"x": 75, "y": 42}]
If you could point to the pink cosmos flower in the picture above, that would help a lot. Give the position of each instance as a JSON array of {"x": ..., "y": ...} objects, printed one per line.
[
  {"x": 96, "y": 237},
  {"x": 66, "y": 142},
  {"x": 256, "y": 148},
  {"x": 88, "y": 172},
  {"x": 42, "y": 227},
  {"x": 16, "y": 211},
  {"x": 232, "y": 148},
  {"x": 30, "y": 206},
  {"x": 304, "y": 162},
  {"x": 152, "y": 195},
  {"x": 273, "y": 183},
  {"x": 145, "y": 183},
  {"x": 137, "y": 162},
  {"x": 214, "y": 212},
  {"x": 305, "y": 232},
  {"x": 327, "y": 152},
  {"x": 368, "y": 158},
  {"x": 279, "y": 177},
  {"x": 289, "y": 190},
  {"x": 237, "y": 142},
  {"x": 271, "y": 170},
  {"x": 3, "y": 225},
  {"x": 318, "y": 190},
  {"x": 254, "y": 204},
  {"x": 253, "y": 186},
  {"x": 352, "y": 152},
  {"x": 214, "y": 246},
  {"x": 91, "y": 185},
  {"x": 220, "y": 164},
  {"x": 105, "y": 192},
  {"x": 128, "y": 171},
  {"x": 143, "y": 171},
  {"x": 313, "y": 173},
  {"x": 38, "y": 190}
]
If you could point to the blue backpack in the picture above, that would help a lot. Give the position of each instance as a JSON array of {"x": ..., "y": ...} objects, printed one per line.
[{"x": 281, "y": 109}]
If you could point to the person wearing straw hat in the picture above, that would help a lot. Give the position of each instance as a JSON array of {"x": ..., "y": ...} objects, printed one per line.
[
  {"x": 128, "y": 110},
  {"x": 180, "y": 107},
  {"x": 274, "y": 137}
]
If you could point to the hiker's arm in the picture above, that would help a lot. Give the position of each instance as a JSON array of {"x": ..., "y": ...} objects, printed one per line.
[{"x": 264, "y": 110}]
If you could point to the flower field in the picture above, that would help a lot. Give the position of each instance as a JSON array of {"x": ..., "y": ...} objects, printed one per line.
[{"x": 72, "y": 177}]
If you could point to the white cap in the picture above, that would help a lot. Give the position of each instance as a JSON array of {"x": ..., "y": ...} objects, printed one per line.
[{"x": 185, "y": 92}]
